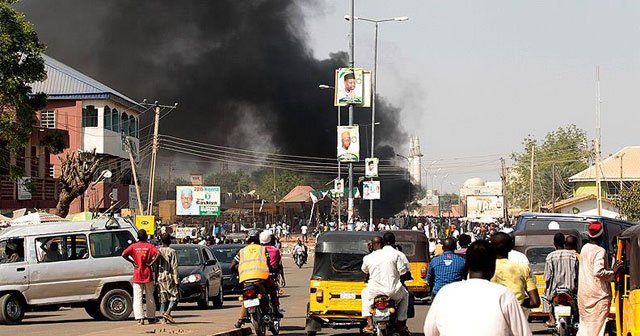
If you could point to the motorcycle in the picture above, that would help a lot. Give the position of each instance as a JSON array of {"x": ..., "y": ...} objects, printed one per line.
[
  {"x": 299, "y": 259},
  {"x": 385, "y": 318},
  {"x": 259, "y": 309},
  {"x": 565, "y": 311}
]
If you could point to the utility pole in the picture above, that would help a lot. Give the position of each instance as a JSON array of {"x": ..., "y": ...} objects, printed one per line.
[
  {"x": 533, "y": 157},
  {"x": 132, "y": 161},
  {"x": 503, "y": 176},
  {"x": 273, "y": 217},
  {"x": 352, "y": 65},
  {"x": 597, "y": 144},
  {"x": 553, "y": 187},
  {"x": 154, "y": 152}
]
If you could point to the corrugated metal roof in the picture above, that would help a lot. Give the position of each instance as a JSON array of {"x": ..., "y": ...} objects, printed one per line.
[
  {"x": 66, "y": 82},
  {"x": 625, "y": 161}
]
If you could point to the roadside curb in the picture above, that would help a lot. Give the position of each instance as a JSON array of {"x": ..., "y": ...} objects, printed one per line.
[{"x": 234, "y": 332}]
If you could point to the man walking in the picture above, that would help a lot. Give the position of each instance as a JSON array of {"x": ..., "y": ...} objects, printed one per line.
[
  {"x": 445, "y": 268},
  {"x": 594, "y": 284},
  {"x": 514, "y": 275},
  {"x": 560, "y": 271},
  {"x": 488, "y": 309},
  {"x": 142, "y": 255},
  {"x": 167, "y": 278}
]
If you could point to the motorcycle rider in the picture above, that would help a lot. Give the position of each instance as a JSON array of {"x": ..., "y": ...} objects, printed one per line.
[
  {"x": 302, "y": 249},
  {"x": 252, "y": 263},
  {"x": 276, "y": 269},
  {"x": 385, "y": 266}
]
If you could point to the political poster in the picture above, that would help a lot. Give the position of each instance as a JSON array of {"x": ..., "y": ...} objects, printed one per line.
[
  {"x": 348, "y": 144},
  {"x": 197, "y": 201},
  {"x": 371, "y": 167},
  {"x": 349, "y": 86},
  {"x": 184, "y": 232},
  {"x": 371, "y": 190},
  {"x": 338, "y": 188},
  {"x": 478, "y": 206}
]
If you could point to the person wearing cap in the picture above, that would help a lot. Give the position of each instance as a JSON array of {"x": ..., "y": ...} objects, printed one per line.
[
  {"x": 594, "y": 284},
  {"x": 187, "y": 206}
]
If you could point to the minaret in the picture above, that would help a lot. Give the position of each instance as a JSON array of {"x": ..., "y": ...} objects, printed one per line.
[{"x": 415, "y": 161}]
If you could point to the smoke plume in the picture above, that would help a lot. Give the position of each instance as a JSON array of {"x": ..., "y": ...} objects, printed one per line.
[{"x": 241, "y": 71}]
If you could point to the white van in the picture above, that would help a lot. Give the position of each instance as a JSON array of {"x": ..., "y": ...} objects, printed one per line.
[{"x": 66, "y": 263}]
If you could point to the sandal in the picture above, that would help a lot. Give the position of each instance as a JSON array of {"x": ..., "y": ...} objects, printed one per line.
[{"x": 169, "y": 318}]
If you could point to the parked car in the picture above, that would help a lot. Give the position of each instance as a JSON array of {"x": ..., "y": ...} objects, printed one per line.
[
  {"x": 225, "y": 254},
  {"x": 200, "y": 275},
  {"x": 66, "y": 263}
]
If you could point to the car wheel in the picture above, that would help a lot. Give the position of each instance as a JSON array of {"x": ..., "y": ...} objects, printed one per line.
[
  {"x": 93, "y": 310},
  {"x": 218, "y": 300},
  {"x": 11, "y": 309},
  {"x": 203, "y": 303},
  {"x": 116, "y": 305}
]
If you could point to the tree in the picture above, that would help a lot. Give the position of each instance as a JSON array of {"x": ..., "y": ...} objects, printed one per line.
[
  {"x": 77, "y": 173},
  {"x": 561, "y": 154},
  {"x": 21, "y": 63},
  {"x": 235, "y": 182},
  {"x": 629, "y": 202}
]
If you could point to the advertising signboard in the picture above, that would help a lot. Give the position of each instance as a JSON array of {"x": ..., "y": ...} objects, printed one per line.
[
  {"x": 183, "y": 232},
  {"x": 485, "y": 206},
  {"x": 147, "y": 223},
  {"x": 348, "y": 143},
  {"x": 197, "y": 201},
  {"x": 371, "y": 190},
  {"x": 338, "y": 187}
]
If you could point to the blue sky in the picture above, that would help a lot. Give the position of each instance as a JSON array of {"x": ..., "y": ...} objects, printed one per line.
[{"x": 475, "y": 77}]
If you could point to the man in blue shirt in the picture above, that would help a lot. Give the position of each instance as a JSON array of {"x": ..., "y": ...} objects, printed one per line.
[{"x": 445, "y": 268}]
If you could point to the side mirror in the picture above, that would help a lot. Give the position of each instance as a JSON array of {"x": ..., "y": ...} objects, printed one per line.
[{"x": 211, "y": 262}]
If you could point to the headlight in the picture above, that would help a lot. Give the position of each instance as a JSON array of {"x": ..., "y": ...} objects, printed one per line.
[{"x": 192, "y": 278}]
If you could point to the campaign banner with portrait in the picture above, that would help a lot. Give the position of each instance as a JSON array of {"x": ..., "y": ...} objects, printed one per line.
[
  {"x": 478, "y": 206},
  {"x": 197, "y": 201},
  {"x": 349, "y": 86},
  {"x": 348, "y": 144},
  {"x": 371, "y": 190},
  {"x": 371, "y": 167},
  {"x": 338, "y": 188}
]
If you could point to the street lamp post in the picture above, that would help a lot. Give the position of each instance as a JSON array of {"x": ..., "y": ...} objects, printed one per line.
[
  {"x": 426, "y": 171},
  {"x": 374, "y": 81},
  {"x": 338, "y": 221}
]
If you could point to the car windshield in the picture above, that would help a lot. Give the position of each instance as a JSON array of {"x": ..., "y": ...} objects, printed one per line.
[
  {"x": 188, "y": 256},
  {"x": 225, "y": 254}
]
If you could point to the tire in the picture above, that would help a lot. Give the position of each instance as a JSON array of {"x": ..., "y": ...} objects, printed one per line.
[
  {"x": 93, "y": 310},
  {"x": 116, "y": 305},
  {"x": 204, "y": 302},
  {"x": 218, "y": 300},
  {"x": 258, "y": 326},
  {"x": 562, "y": 328},
  {"x": 11, "y": 309}
]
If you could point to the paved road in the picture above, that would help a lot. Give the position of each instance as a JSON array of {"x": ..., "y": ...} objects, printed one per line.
[{"x": 192, "y": 321}]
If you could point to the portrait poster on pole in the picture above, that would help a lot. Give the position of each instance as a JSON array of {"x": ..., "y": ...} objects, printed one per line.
[
  {"x": 349, "y": 86},
  {"x": 338, "y": 187},
  {"x": 197, "y": 201},
  {"x": 371, "y": 190},
  {"x": 371, "y": 167},
  {"x": 348, "y": 144}
]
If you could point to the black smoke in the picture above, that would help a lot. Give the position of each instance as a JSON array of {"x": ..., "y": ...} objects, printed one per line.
[{"x": 228, "y": 63}]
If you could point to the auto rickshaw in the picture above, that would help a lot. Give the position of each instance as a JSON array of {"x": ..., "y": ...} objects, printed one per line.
[
  {"x": 415, "y": 246},
  {"x": 627, "y": 284},
  {"x": 337, "y": 281},
  {"x": 536, "y": 245}
]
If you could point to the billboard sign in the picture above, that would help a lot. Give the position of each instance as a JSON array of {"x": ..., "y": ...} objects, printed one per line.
[
  {"x": 349, "y": 86},
  {"x": 133, "y": 197},
  {"x": 367, "y": 89},
  {"x": 371, "y": 190},
  {"x": 485, "y": 206},
  {"x": 371, "y": 167},
  {"x": 348, "y": 143},
  {"x": 184, "y": 232},
  {"x": 197, "y": 201}
]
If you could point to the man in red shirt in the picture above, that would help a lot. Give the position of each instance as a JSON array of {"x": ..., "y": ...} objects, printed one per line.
[{"x": 142, "y": 255}]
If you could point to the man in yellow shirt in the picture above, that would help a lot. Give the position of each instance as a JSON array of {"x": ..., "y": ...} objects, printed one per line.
[{"x": 513, "y": 275}]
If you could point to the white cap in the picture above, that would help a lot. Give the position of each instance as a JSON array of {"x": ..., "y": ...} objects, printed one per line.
[{"x": 265, "y": 237}]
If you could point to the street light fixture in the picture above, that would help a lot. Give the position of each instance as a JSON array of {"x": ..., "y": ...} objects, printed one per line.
[
  {"x": 324, "y": 87},
  {"x": 374, "y": 81}
]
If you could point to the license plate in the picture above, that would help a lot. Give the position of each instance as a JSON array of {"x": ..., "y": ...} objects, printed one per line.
[
  {"x": 562, "y": 311},
  {"x": 382, "y": 313},
  {"x": 251, "y": 303},
  {"x": 348, "y": 295}
]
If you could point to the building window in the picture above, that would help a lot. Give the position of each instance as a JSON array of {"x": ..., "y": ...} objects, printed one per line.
[
  {"x": 132, "y": 126},
  {"x": 90, "y": 116},
  {"x": 107, "y": 117},
  {"x": 125, "y": 124},
  {"x": 115, "y": 120},
  {"x": 48, "y": 119}
]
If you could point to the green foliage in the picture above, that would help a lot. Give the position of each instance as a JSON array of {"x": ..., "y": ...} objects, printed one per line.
[
  {"x": 21, "y": 63},
  {"x": 454, "y": 198},
  {"x": 629, "y": 202},
  {"x": 236, "y": 182},
  {"x": 285, "y": 181},
  {"x": 563, "y": 152}
]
